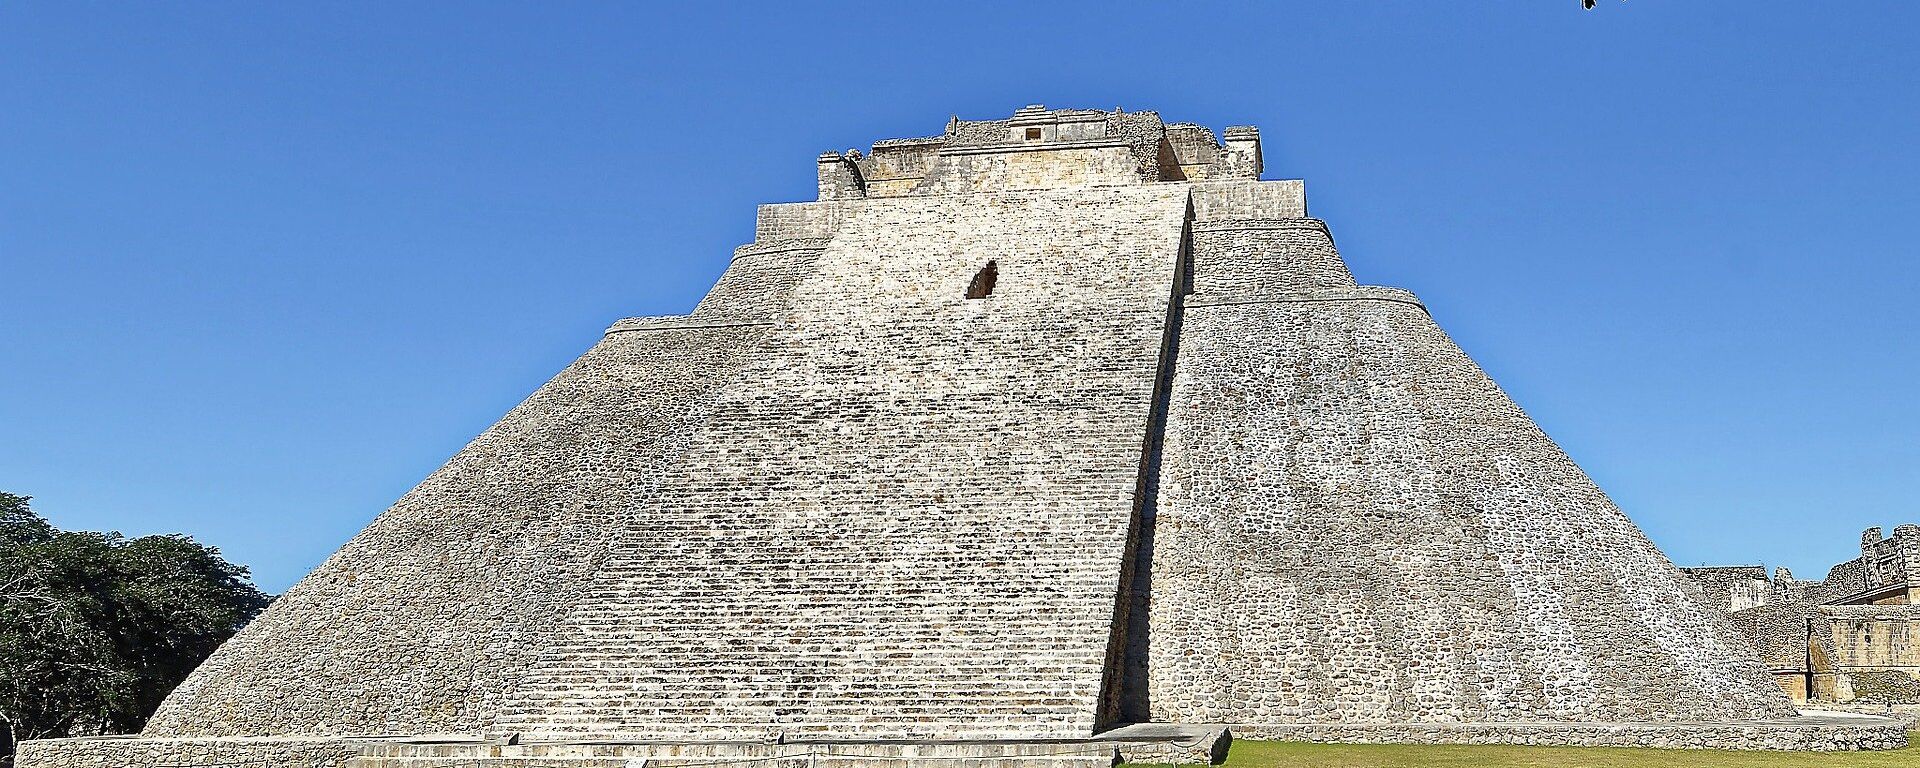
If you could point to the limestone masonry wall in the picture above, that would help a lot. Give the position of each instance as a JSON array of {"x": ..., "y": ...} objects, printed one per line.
[
  {"x": 1240, "y": 200},
  {"x": 1845, "y": 638},
  {"x": 1876, "y": 638},
  {"x": 759, "y": 284},
  {"x": 1254, "y": 258},
  {"x": 1354, "y": 524},
  {"x": 125, "y": 752},
  {"x": 425, "y": 620},
  {"x": 910, "y": 516},
  {"x": 1885, "y": 563},
  {"x": 1732, "y": 588}
]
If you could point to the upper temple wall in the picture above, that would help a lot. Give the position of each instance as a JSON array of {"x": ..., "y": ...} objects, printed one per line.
[{"x": 1038, "y": 148}]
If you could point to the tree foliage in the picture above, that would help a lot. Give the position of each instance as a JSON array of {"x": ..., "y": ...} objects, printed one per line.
[{"x": 95, "y": 628}]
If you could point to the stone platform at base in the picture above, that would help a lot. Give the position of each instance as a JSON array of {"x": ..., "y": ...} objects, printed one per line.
[
  {"x": 1152, "y": 743},
  {"x": 1813, "y": 731},
  {"x": 1149, "y": 742},
  {"x": 742, "y": 755}
]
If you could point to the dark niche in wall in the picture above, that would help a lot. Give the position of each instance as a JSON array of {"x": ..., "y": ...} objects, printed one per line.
[{"x": 982, "y": 285}]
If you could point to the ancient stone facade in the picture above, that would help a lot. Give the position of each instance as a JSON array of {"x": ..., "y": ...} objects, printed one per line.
[
  {"x": 1019, "y": 432},
  {"x": 1851, "y": 637}
]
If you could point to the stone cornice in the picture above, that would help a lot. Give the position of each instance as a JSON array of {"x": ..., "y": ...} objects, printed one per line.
[{"x": 1360, "y": 293}]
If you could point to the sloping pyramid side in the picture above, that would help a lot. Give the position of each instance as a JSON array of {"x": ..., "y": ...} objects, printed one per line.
[
  {"x": 841, "y": 498},
  {"x": 910, "y": 519},
  {"x": 1354, "y": 524},
  {"x": 425, "y": 619}
]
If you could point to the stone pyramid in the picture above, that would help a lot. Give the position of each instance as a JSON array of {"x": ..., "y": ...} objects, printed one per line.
[{"x": 1019, "y": 432}]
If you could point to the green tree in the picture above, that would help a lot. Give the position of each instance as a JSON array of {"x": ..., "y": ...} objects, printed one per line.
[{"x": 96, "y": 629}]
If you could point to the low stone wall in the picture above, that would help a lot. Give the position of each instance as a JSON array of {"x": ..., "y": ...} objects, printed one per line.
[
  {"x": 1169, "y": 753},
  {"x": 1831, "y": 733},
  {"x": 127, "y": 752},
  {"x": 1170, "y": 743},
  {"x": 136, "y": 752},
  {"x": 1143, "y": 744},
  {"x": 1908, "y": 715}
]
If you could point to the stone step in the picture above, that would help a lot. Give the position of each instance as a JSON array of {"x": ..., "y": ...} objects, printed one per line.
[
  {"x": 614, "y": 669},
  {"x": 982, "y": 754},
  {"x": 740, "y": 749},
  {"x": 955, "y": 761},
  {"x": 929, "y": 702}
]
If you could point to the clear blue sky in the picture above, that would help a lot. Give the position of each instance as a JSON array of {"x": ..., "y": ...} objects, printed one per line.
[{"x": 263, "y": 266}]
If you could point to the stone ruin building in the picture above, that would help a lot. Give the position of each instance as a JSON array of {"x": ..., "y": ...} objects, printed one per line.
[
  {"x": 1039, "y": 441},
  {"x": 1853, "y": 637}
]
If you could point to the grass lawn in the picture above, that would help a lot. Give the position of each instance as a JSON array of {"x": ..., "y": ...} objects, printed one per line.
[{"x": 1281, "y": 754}]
